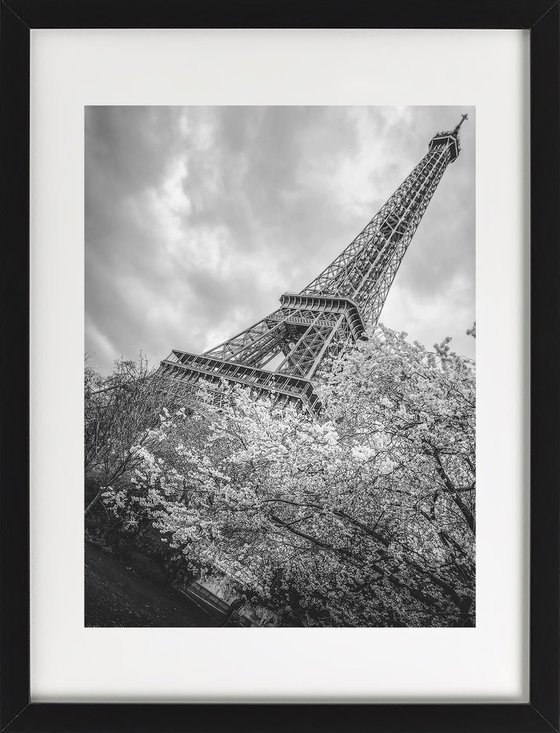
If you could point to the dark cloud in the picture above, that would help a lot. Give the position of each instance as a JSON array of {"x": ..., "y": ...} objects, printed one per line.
[{"x": 198, "y": 218}]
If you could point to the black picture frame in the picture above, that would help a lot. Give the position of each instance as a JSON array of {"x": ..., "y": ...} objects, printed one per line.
[{"x": 542, "y": 19}]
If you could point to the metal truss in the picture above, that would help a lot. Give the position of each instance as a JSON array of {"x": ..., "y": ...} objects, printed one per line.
[{"x": 313, "y": 326}]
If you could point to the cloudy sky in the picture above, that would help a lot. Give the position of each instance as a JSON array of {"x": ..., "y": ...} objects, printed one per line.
[{"x": 198, "y": 218}]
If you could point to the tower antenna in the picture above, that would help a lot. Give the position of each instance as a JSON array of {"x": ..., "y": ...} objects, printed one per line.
[{"x": 463, "y": 118}]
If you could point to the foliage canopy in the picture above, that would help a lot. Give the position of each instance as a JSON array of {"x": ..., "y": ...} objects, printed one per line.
[{"x": 365, "y": 517}]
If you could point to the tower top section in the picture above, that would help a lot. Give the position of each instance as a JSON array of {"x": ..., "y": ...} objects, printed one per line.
[{"x": 449, "y": 140}]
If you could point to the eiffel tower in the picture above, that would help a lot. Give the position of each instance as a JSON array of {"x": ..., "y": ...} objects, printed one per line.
[{"x": 329, "y": 314}]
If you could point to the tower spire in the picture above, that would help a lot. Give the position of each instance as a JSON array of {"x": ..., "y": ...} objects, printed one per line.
[
  {"x": 463, "y": 118},
  {"x": 282, "y": 353}
]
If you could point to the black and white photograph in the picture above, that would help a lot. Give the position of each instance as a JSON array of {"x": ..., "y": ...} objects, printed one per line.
[{"x": 279, "y": 369}]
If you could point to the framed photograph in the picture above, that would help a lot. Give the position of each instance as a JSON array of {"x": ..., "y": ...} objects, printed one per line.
[{"x": 280, "y": 419}]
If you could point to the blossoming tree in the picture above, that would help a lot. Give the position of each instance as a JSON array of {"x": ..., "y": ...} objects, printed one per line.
[{"x": 365, "y": 516}]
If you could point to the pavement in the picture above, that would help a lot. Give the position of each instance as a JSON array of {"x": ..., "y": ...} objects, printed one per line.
[{"x": 117, "y": 595}]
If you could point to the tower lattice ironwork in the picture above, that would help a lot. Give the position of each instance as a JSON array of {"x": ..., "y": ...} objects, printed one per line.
[{"x": 282, "y": 353}]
